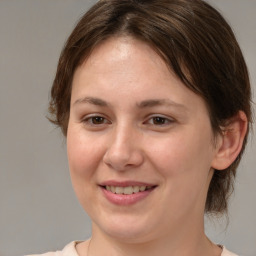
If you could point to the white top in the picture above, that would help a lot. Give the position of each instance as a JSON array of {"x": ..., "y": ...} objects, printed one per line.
[{"x": 70, "y": 250}]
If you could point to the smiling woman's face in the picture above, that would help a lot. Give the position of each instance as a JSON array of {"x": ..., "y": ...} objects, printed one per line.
[{"x": 140, "y": 143}]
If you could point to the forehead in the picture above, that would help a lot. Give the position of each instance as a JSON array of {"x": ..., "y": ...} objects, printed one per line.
[
  {"x": 124, "y": 50},
  {"x": 122, "y": 60},
  {"x": 132, "y": 68}
]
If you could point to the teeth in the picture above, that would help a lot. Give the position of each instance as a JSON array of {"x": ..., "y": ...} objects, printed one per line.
[
  {"x": 119, "y": 190},
  {"x": 136, "y": 189},
  {"x": 142, "y": 188},
  {"x": 127, "y": 190}
]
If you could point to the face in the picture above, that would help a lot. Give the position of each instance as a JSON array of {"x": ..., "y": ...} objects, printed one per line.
[{"x": 140, "y": 143}]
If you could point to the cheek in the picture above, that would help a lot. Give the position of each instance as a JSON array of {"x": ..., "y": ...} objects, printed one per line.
[
  {"x": 183, "y": 162},
  {"x": 84, "y": 154},
  {"x": 184, "y": 156}
]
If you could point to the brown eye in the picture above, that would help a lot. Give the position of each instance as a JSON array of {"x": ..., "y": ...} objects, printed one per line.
[
  {"x": 159, "y": 120},
  {"x": 97, "y": 120}
]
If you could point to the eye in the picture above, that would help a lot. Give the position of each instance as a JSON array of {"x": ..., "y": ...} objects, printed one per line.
[
  {"x": 96, "y": 120},
  {"x": 159, "y": 121}
]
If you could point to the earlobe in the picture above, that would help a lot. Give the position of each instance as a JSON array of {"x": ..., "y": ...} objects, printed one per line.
[{"x": 230, "y": 142}]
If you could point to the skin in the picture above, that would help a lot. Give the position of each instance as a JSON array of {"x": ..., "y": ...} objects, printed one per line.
[{"x": 127, "y": 85}]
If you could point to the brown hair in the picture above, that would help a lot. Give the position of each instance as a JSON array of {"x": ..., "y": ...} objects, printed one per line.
[{"x": 196, "y": 43}]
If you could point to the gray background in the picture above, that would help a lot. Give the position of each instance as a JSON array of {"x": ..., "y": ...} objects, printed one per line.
[{"x": 38, "y": 209}]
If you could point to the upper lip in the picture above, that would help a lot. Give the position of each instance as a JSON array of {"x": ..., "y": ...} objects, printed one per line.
[{"x": 126, "y": 183}]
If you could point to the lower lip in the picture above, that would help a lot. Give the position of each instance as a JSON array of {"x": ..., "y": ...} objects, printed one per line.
[{"x": 121, "y": 199}]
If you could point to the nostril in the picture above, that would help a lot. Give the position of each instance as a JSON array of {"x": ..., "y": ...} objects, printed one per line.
[{"x": 123, "y": 159}]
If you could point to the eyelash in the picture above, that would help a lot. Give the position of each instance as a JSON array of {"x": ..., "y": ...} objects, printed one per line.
[
  {"x": 90, "y": 120},
  {"x": 99, "y": 120},
  {"x": 164, "y": 121}
]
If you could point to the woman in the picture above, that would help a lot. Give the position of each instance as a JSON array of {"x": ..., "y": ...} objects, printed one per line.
[{"x": 154, "y": 100}]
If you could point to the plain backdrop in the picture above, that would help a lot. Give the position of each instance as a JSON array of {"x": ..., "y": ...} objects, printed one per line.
[{"x": 38, "y": 209}]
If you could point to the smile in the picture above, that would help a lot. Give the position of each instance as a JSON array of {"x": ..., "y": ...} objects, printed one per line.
[
  {"x": 127, "y": 190},
  {"x": 126, "y": 193}
]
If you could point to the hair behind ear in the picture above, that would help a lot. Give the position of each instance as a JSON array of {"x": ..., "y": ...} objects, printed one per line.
[
  {"x": 230, "y": 141},
  {"x": 229, "y": 146}
]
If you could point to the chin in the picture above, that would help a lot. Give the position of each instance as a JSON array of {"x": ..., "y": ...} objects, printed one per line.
[{"x": 129, "y": 230}]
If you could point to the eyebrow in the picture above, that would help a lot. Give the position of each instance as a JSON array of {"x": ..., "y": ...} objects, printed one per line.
[
  {"x": 92, "y": 100},
  {"x": 160, "y": 102},
  {"x": 143, "y": 104}
]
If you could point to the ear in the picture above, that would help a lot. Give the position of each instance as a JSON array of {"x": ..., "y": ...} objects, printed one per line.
[{"x": 230, "y": 141}]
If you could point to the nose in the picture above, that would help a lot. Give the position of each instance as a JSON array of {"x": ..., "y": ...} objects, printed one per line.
[{"x": 124, "y": 150}]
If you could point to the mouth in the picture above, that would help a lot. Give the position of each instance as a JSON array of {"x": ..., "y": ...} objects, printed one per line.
[
  {"x": 124, "y": 193},
  {"x": 128, "y": 190}
]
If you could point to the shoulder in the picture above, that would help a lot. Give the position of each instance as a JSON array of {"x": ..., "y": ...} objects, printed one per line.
[
  {"x": 225, "y": 252},
  {"x": 68, "y": 250}
]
